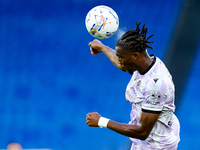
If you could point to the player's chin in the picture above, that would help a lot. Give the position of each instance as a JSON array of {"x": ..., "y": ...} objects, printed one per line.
[{"x": 130, "y": 71}]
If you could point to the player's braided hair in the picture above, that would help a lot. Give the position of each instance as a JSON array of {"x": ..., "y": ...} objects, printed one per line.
[{"x": 134, "y": 40}]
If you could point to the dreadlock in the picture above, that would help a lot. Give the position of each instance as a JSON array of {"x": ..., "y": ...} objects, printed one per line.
[{"x": 134, "y": 40}]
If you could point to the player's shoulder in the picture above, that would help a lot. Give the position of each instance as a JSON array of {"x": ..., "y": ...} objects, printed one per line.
[
  {"x": 159, "y": 84},
  {"x": 158, "y": 74},
  {"x": 160, "y": 71}
]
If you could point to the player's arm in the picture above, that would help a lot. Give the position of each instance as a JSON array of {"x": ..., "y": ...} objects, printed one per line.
[
  {"x": 141, "y": 131},
  {"x": 97, "y": 47}
]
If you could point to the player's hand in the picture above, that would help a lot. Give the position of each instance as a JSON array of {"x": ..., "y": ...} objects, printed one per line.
[
  {"x": 92, "y": 119},
  {"x": 95, "y": 47}
]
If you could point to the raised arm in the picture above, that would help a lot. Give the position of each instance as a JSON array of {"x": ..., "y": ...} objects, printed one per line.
[{"x": 97, "y": 47}]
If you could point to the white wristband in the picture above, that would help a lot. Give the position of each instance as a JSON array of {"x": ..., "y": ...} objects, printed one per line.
[{"x": 102, "y": 123}]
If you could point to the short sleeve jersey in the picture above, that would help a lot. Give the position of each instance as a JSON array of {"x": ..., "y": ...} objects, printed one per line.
[{"x": 153, "y": 92}]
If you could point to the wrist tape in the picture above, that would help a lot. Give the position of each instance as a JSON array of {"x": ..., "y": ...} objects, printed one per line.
[{"x": 102, "y": 123}]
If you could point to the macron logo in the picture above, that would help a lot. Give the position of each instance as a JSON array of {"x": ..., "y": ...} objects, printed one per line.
[{"x": 155, "y": 80}]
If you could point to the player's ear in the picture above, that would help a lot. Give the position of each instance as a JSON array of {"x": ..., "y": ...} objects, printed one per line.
[{"x": 135, "y": 55}]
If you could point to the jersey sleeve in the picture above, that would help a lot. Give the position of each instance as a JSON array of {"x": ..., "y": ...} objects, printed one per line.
[{"x": 155, "y": 96}]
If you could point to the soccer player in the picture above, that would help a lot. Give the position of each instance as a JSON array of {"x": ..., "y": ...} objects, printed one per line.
[{"x": 150, "y": 91}]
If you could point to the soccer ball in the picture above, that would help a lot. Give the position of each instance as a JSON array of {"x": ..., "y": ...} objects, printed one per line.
[{"x": 102, "y": 22}]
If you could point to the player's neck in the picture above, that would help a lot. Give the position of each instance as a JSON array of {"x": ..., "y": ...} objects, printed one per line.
[{"x": 146, "y": 63}]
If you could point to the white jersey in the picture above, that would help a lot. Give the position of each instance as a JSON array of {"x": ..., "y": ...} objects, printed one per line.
[{"x": 154, "y": 92}]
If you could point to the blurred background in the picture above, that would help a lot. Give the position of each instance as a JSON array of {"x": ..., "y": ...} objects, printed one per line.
[{"x": 49, "y": 80}]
